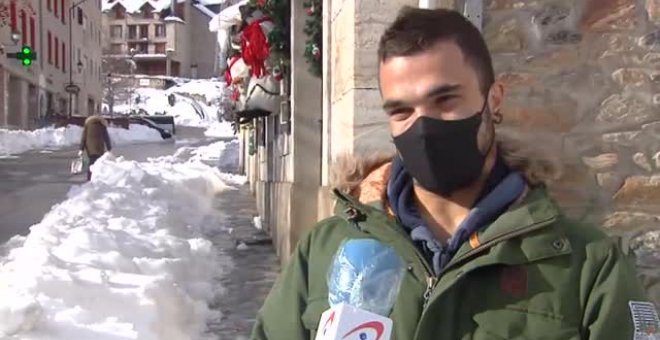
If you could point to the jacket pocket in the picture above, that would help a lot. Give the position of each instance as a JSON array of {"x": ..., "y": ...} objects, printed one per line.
[
  {"x": 312, "y": 315},
  {"x": 512, "y": 323}
]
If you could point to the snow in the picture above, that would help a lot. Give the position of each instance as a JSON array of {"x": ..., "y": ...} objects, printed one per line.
[
  {"x": 124, "y": 256},
  {"x": 133, "y": 6},
  {"x": 18, "y": 141},
  {"x": 198, "y": 102},
  {"x": 257, "y": 222},
  {"x": 220, "y": 130}
]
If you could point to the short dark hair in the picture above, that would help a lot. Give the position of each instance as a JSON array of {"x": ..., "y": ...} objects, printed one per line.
[{"x": 417, "y": 30}]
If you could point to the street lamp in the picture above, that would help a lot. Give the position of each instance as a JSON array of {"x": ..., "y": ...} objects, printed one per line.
[
  {"x": 71, "y": 84},
  {"x": 15, "y": 37},
  {"x": 168, "y": 55},
  {"x": 133, "y": 67}
]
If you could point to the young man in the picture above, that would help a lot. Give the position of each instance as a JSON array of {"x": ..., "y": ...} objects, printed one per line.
[
  {"x": 95, "y": 140},
  {"x": 488, "y": 253}
]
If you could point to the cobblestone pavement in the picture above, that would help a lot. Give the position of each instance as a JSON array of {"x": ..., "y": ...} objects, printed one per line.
[{"x": 254, "y": 270}]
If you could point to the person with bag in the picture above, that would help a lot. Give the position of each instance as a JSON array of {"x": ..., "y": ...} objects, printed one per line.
[
  {"x": 487, "y": 252},
  {"x": 95, "y": 140}
]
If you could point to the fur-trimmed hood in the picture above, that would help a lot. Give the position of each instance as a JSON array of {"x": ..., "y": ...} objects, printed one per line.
[
  {"x": 96, "y": 119},
  {"x": 365, "y": 178}
]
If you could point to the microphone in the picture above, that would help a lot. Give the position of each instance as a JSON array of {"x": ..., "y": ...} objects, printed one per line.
[{"x": 363, "y": 284}]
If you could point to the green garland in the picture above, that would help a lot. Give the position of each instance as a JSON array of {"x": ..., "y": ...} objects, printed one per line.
[{"x": 314, "y": 31}]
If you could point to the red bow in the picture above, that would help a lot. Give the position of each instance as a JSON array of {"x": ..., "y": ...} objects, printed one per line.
[{"x": 254, "y": 47}]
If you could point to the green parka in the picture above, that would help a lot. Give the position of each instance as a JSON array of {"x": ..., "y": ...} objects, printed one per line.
[{"x": 534, "y": 274}]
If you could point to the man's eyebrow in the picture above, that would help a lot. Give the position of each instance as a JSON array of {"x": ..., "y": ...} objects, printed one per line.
[
  {"x": 392, "y": 104},
  {"x": 436, "y": 91},
  {"x": 442, "y": 89}
]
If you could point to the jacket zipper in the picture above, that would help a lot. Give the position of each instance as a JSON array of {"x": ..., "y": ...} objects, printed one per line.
[
  {"x": 433, "y": 280},
  {"x": 430, "y": 285}
]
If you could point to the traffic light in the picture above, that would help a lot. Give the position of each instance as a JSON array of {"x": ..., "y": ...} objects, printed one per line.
[{"x": 26, "y": 55}]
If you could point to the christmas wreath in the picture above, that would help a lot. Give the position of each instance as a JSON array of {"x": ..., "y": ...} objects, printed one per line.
[{"x": 279, "y": 11}]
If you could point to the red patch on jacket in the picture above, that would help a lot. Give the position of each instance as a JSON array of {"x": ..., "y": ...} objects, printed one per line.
[{"x": 513, "y": 281}]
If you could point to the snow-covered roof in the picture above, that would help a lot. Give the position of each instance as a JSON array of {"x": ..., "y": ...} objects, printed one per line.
[
  {"x": 133, "y": 6},
  {"x": 204, "y": 10},
  {"x": 212, "y": 2}
]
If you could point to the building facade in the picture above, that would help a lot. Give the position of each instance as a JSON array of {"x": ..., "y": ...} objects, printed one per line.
[
  {"x": 29, "y": 94},
  {"x": 160, "y": 41}
]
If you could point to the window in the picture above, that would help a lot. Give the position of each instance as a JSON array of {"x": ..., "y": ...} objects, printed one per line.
[
  {"x": 33, "y": 32},
  {"x": 139, "y": 47},
  {"x": 62, "y": 9},
  {"x": 55, "y": 11},
  {"x": 50, "y": 48},
  {"x": 24, "y": 30},
  {"x": 120, "y": 12},
  {"x": 49, "y": 4},
  {"x": 132, "y": 32},
  {"x": 116, "y": 31},
  {"x": 63, "y": 57},
  {"x": 57, "y": 52},
  {"x": 144, "y": 31},
  {"x": 160, "y": 30},
  {"x": 116, "y": 48},
  {"x": 147, "y": 11},
  {"x": 161, "y": 48},
  {"x": 80, "y": 16},
  {"x": 181, "y": 10}
]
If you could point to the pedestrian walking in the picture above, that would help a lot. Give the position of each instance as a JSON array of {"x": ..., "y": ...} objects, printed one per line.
[
  {"x": 95, "y": 140},
  {"x": 487, "y": 253}
]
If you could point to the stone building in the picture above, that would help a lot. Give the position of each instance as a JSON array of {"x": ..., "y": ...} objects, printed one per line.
[
  {"x": 161, "y": 41},
  {"x": 28, "y": 94}
]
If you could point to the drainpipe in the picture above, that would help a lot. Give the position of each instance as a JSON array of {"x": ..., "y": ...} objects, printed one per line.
[
  {"x": 173, "y": 8},
  {"x": 427, "y": 4}
]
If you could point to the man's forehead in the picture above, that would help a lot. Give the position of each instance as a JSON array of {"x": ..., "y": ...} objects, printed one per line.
[{"x": 444, "y": 52}]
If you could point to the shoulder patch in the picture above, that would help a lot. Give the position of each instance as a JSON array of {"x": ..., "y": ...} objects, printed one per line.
[{"x": 646, "y": 321}]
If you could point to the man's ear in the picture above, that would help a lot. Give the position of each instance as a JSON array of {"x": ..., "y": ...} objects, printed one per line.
[{"x": 496, "y": 97}]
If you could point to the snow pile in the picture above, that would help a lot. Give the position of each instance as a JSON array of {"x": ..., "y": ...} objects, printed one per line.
[
  {"x": 124, "y": 257},
  {"x": 257, "y": 222},
  {"x": 17, "y": 141},
  {"x": 220, "y": 130},
  {"x": 221, "y": 155},
  {"x": 197, "y": 102}
]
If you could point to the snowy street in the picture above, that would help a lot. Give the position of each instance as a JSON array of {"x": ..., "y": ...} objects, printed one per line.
[
  {"x": 161, "y": 244},
  {"x": 33, "y": 182}
]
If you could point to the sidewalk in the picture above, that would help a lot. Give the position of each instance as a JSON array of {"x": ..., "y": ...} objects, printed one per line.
[{"x": 254, "y": 269}]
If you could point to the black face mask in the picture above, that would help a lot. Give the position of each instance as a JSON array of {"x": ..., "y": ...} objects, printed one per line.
[{"x": 442, "y": 155}]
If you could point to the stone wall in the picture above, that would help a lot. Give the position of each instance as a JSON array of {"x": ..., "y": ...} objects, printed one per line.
[
  {"x": 586, "y": 74},
  {"x": 356, "y": 121}
]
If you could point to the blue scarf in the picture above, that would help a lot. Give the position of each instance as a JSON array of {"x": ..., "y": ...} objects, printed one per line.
[{"x": 501, "y": 189}]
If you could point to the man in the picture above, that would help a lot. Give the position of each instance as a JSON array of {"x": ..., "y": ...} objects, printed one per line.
[
  {"x": 95, "y": 140},
  {"x": 488, "y": 253}
]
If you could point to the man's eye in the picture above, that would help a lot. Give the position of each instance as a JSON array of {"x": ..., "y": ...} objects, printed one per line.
[
  {"x": 444, "y": 99},
  {"x": 399, "y": 114}
]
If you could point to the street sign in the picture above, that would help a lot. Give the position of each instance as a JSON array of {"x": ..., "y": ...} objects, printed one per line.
[{"x": 72, "y": 88}]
